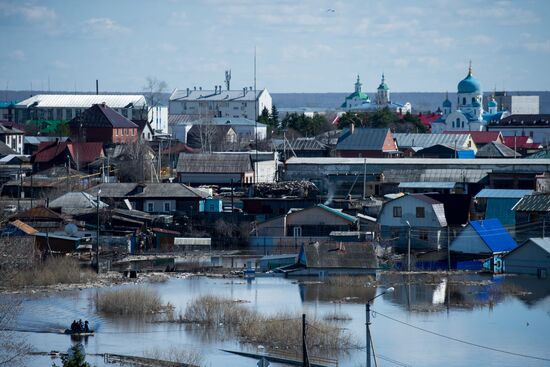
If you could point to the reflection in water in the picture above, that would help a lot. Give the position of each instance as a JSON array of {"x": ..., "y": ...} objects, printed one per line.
[{"x": 414, "y": 295}]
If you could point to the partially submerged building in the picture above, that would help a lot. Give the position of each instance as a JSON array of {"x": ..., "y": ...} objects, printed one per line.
[
  {"x": 482, "y": 239},
  {"x": 531, "y": 257}
]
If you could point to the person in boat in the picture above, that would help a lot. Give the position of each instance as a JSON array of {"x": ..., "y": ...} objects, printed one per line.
[
  {"x": 86, "y": 327},
  {"x": 74, "y": 327}
]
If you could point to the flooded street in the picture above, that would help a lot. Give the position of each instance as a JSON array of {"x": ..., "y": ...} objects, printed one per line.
[{"x": 505, "y": 313}]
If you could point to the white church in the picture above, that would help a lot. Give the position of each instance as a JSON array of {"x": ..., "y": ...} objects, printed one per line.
[{"x": 468, "y": 114}]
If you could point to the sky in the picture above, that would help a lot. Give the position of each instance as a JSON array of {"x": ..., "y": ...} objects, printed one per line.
[{"x": 301, "y": 46}]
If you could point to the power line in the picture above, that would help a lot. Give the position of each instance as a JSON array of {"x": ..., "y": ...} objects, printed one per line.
[{"x": 464, "y": 341}]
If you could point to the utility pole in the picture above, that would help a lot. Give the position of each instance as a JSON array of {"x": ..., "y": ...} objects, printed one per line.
[
  {"x": 543, "y": 226},
  {"x": 409, "y": 248},
  {"x": 97, "y": 245},
  {"x": 305, "y": 357},
  {"x": 367, "y": 309},
  {"x": 449, "y": 247},
  {"x": 364, "y": 179}
]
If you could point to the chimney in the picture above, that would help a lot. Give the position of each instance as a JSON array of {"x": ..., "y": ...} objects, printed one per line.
[
  {"x": 194, "y": 88},
  {"x": 219, "y": 89},
  {"x": 215, "y": 89},
  {"x": 200, "y": 88},
  {"x": 187, "y": 92},
  {"x": 96, "y": 86},
  {"x": 244, "y": 91},
  {"x": 352, "y": 129}
]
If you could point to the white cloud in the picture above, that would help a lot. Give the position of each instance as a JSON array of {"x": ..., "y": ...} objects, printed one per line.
[
  {"x": 36, "y": 15},
  {"x": 60, "y": 64},
  {"x": 18, "y": 55},
  {"x": 168, "y": 47},
  {"x": 103, "y": 27}
]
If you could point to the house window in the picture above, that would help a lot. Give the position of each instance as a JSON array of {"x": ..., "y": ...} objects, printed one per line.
[
  {"x": 297, "y": 232},
  {"x": 423, "y": 235},
  {"x": 126, "y": 132},
  {"x": 116, "y": 132},
  {"x": 166, "y": 207},
  {"x": 150, "y": 207},
  {"x": 133, "y": 132},
  {"x": 464, "y": 101},
  {"x": 420, "y": 212},
  {"x": 69, "y": 114},
  {"x": 397, "y": 212}
]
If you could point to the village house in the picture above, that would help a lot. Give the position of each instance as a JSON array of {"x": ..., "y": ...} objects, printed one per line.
[
  {"x": 74, "y": 203},
  {"x": 536, "y": 127},
  {"x": 12, "y": 137},
  {"x": 531, "y": 257},
  {"x": 366, "y": 142},
  {"x": 415, "y": 215},
  {"x": 101, "y": 123},
  {"x": 496, "y": 150},
  {"x": 215, "y": 169},
  {"x": 482, "y": 239},
  {"x": 498, "y": 203},
  {"x": 300, "y": 226},
  {"x": 522, "y": 144},
  {"x": 410, "y": 143},
  {"x": 167, "y": 198},
  {"x": 480, "y": 138},
  {"x": 76, "y": 155},
  {"x": 532, "y": 215}
]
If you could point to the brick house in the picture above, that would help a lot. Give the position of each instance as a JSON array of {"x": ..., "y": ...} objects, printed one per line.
[
  {"x": 100, "y": 123},
  {"x": 366, "y": 142}
]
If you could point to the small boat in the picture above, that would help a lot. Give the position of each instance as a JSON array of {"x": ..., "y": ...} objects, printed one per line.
[{"x": 78, "y": 334}]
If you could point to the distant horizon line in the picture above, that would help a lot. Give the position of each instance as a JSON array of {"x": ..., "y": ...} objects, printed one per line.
[{"x": 270, "y": 92}]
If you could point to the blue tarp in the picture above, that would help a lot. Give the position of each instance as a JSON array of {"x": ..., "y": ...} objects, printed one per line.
[{"x": 466, "y": 154}]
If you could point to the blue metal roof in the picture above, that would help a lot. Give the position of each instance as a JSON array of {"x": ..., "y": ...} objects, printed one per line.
[
  {"x": 494, "y": 235},
  {"x": 466, "y": 154},
  {"x": 503, "y": 193}
]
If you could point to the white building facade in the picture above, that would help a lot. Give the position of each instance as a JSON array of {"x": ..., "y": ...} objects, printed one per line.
[
  {"x": 64, "y": 107},
  {"x": 220, "y": 103}
]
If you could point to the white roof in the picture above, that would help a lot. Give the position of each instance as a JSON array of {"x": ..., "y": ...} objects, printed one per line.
[
  {"x": 82, "y": 100},
  {"x": 418, "y": 161},
  {"x": 211, "y": 95}
]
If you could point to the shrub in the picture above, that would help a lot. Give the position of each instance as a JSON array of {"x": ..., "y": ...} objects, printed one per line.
[{"x": 129, "y": 301}]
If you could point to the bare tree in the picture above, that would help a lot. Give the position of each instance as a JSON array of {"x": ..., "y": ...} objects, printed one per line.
[
  {"x": 153, "y": 91},
  {"x": 13, "y": 348},
  {"x": 134, "y": 162}
]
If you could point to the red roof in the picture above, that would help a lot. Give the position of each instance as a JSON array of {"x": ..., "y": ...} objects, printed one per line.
[
  {"x": 520, "y": 142},
  {"x": 425, "y": 119},
  {"x": 480, "y": 137},
  {"x": 84, "y": 152}
]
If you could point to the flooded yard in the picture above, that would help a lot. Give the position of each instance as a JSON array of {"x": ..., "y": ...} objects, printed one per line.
[{"x": 510, "y": 314}]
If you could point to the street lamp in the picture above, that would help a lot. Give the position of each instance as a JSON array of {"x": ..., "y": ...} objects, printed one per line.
[
  {"x": 97, "y": 236},
  {"x": 367, "y": 307}
]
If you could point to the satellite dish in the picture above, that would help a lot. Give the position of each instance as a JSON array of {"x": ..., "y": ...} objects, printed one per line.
[{"x": 71, "y": 229}]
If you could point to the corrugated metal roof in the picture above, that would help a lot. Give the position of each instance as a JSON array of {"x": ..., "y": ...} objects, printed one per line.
[
  {"x": 427, "y": 185},
  {"x": 537, "y": 202},
  {"x": 362, "y": 139},
  {"x": 112, "y": 190},
  {"x": 304, "y": 144},
  {"x": 479, "y": 137},
  {"x": 496, "y": 150},
  {"x": 406, "y": 140},
  {"x": 76, "y": 200},
  {"x": 83, "y": 100},
  {"x": 417, "y": 161},
  {"x": 222, "y": 121},
  {"x": 494, "y": 235},
  {"x": 211, "y": 95},
  {"x": 99, "y": 116},
  {"x": 503, "y": 193},
  {"x": 434, "y": 175},
  {"x": 24, "y": 227},
  {"x": 214, "y": 163},
  {"x": 170, "y": 190}
]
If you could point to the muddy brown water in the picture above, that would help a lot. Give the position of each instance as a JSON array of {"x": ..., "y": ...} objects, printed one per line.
[{"x": 511, "y": 313}]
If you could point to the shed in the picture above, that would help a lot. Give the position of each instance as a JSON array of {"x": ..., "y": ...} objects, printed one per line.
[
  {"x": 483, "y": 238},
  {"x": 531, "y": 257}
]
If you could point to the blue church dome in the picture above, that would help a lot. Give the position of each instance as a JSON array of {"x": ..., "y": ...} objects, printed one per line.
[{"x": 469, "y": 85}]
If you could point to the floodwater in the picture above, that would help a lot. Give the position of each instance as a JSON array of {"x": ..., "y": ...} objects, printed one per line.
[{"x": 507, "y": 313}]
